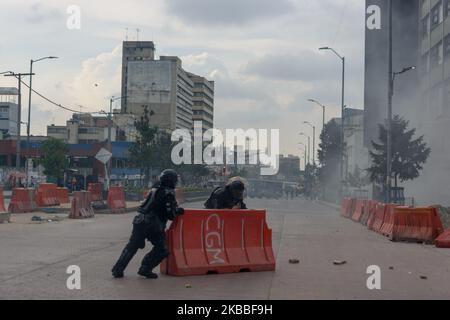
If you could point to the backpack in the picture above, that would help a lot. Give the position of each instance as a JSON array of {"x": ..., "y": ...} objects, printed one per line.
[{"x": 210, "y": 202}]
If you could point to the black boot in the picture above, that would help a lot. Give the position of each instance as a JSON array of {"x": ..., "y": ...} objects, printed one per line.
[
  {"x": 122, "y": 263},
  {"x": 147, "y": 272}
]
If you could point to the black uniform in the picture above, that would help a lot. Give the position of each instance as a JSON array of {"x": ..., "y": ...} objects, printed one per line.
[
  {"x": 159, "y": 207},
  {"x": 222, "y": 198}
]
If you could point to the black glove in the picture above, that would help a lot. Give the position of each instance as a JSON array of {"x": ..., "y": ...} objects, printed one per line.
[{"x": 180, "y": 211}]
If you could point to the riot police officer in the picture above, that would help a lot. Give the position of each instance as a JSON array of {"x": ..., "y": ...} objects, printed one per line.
[
  {"x": 230, "y": 197},
  {"x": 150, "y": 223}
]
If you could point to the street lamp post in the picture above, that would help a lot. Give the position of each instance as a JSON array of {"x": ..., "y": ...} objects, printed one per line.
[
  {"x": 314, "y": 141},
  {"x": 323, "y": 111},
  {"x": 389, "y": 131},
  {"x": 309, "y": 146},
  {"x": 342, "y": 58},
  {"x": 109, "y": 134},
  {"x": 29, "y": 107}
]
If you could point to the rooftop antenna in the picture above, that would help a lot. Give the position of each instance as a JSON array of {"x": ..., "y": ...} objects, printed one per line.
[
  {"x": 137, "y": 34},
  {"x": 126, "y": 34}
]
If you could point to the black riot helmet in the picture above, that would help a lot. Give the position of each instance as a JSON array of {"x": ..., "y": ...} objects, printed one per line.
[
  {"x": 169, "y": 178},
  {"x": 237, "y": 188}
]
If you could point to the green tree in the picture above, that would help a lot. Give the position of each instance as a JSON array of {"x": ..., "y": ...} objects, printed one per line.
[
  {"x": 408, "y": 154},
  {"x": 329, "y": 159},
  {"x": 152, "y": 148},
  {"x": 54, "y": 157}
]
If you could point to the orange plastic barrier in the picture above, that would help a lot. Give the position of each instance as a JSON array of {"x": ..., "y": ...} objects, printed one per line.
[
  {"x": 22, "y": 201},
  {"x": 81, "y": 207},
  {"x": 359, "y": 209},
  {"x": 378, "y": 218},
  {"x": 47, "y": 195},
  {"x": 369, "y": 212},
  {"x": 388, "y": 222},
  {"x": 2, "y": 201},
  {"x": 63, "y": 195},
  {"x": 418, "y": 224},
  {"x": 96, "y": 190},
  {"x": 116, "y": 198},
  {"x": 219, "y": 241},
  {"x": 443, "y": 241},
  {"x": 347, "y": 207}
]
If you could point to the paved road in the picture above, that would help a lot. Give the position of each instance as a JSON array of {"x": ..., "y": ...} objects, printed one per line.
[{"x": 34, "y": 258}]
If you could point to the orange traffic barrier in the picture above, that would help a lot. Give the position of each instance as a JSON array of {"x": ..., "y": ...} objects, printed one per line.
[
  {"x": 388, "y": 221},
  {"x": 369, "y": 212},
  {"x": 96, "y": 190},
  {"x": 377, "y": 221},
  {"x": 63, "y": 195},
  {"x": 219, "y": 241},
  {"x": 116, "y": 198},
  {"x": 359, "y": 208},
  {"x": 443, "y": 241},
  {"x": 22, "y": 201},
  {"x": 348, "y": 207},
  {"x": 47, "y": 195},
  {"x": 81, "y": 207},
  {"x": 417, "y": 224},
  {"x": 2, "y": 201}
]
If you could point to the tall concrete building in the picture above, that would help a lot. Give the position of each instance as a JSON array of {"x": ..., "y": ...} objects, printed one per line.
[
  {"x": 203, "y": 101},
  {"x": 434, "y": 102},
  {"x": 134, "y": 51},
  {"x": 164, "y": 88}
]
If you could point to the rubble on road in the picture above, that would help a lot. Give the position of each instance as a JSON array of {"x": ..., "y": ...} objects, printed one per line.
[
  {"x": 294, "y": 261},
  {"x": 339, "y": 262}
]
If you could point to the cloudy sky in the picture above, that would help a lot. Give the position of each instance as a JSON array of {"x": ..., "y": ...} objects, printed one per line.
[{"x": 263, "y": 55}]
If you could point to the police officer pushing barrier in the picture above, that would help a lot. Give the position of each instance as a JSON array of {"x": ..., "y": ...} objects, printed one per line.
[
  {"x": 230, "y": 197},
  {"x": 150, "y": 223}
]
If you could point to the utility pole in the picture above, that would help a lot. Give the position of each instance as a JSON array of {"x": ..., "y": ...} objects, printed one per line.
[
  {"x": 389, "y": 110},
  {"x": 314, "y": 141},
  {"x": 29, "y": 110},
  {"x": 342, "y": 58},
  {"x": 18, "y": 76}
]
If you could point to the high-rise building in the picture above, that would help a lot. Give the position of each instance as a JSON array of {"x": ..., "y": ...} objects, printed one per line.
[
  {"x": 203, "y": 101},
  {"x": 434, "y": 102},
  {"x": 164, "y": 89},
  {"x": 134, "y": 51}
]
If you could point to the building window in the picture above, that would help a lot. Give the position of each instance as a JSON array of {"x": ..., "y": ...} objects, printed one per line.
[
  {"x": 447, "y": 8},
  {"x": 425, "y": 23},
  {"x": 447, "y": 46},
  {"x": 436, "y": 15},
  {"x": 436, "y": 55}
]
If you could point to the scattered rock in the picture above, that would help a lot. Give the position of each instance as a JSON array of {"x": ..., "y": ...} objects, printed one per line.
[
  {"x": 423, "y": 277},
  {"x": 339, "y": 262},
  {"x": 187, "y": 286},
  {"x": 391, "y": 268},
  {"x": 294, "y": 261}
]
